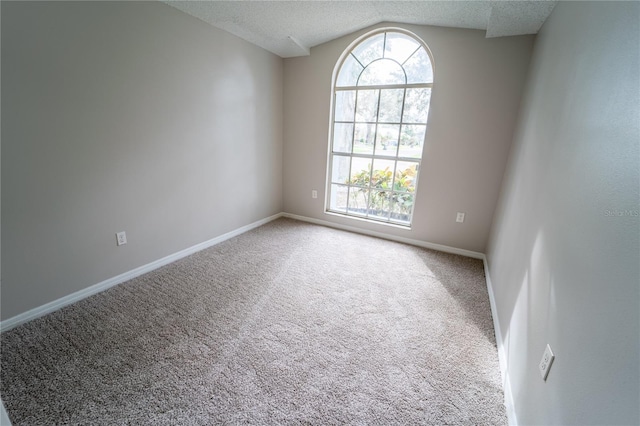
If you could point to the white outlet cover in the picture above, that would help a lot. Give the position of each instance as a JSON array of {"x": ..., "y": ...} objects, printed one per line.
[
  {"x": 121, "y": 238},
  {"x": 545, "y": 362},
  {"x": 460, "y": 217},
  {"x": 314, "y": 193}
]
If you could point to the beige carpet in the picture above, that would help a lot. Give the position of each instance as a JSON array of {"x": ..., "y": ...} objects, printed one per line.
[{"x": 290, "y": 323}]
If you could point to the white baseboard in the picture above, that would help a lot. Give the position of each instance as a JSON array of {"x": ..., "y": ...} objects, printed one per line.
[
  {"x": 4, "y": 417},
  {"x": 97, "y": 288},
  {"x": 438, "y": 247},
  {"x": 502, "y": 356}
]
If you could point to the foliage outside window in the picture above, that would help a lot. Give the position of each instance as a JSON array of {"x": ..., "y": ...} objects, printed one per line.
[{"x": 380, "y": 108}]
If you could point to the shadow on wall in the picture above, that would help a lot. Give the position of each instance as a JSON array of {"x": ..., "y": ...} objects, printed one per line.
[
  {"x": 528, "y": 321},
  {"x": 235, "y": 105}
]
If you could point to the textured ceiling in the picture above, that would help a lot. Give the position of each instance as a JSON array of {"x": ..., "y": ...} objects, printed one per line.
[{"x": 291, "y": 28}]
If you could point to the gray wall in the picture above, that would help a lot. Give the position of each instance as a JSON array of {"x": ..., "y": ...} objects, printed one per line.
[
  {"x": 477, "y": 91},
  {"x": 564, "y": 254},
  {"x": 128, "y": 117}
]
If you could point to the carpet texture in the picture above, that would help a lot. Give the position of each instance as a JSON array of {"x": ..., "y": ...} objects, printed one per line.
[{"x": 289, "y": 323}]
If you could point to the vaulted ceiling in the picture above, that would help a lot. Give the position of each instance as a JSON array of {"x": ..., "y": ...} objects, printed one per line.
[{"x": 291, "y": 28}]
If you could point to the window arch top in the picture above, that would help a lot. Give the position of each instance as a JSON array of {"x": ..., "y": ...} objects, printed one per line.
[{"x": 386, "y": 58}]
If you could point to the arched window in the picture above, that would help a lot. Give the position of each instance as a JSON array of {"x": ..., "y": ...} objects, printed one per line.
[{"x": 380, "y": 107}]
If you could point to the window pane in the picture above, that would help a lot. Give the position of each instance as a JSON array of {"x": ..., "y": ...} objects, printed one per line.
[
  {"x": 416, "y": 105},
  {"x": 399, "y": 47},
  {"x": 406, "y": 173},
  {"x": 390, "y": 105},
  {"x": 382, "y": 176},
  {"x": 363, "y": 139},
  {"x": 411, "y": 140},
  {"x": 360, "y": 171},
  {"x": 401, "y": 206},
  {"x": 379, "y": 204},
  {"x": 342, "y": 137},
  {"x": 345, "y": 104},
  {"x": 367, "y": 109},
  {"x": 382, "y": 71},
  {"x": 340, "y": 169},
  {"x": 387, "y": 139},
  {"x": 349, "y": 72},
  {"x": 358, "y": 201},
  {"x": 369, "y": 49},
  {"x": 339, "y": 194},
  {"x": 418, "y": 68}
]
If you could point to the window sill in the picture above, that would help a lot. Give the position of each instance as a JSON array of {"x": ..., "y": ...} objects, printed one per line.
[{"x": 364, "y": 219}]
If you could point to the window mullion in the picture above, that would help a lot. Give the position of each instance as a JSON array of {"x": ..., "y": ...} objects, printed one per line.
[
  {"x": 358, "y": 61},
  {"x": 384, "y": 44},
  {"x": 404, "y": 97},
  {"x": 375, "y": 135},
  {"x": 369, "y": 187},
  {"x": 332, "y": 155},
  {"x": 395, "y": 169},
  {"x": 411, "y": 56},
  {"x": 353, "y": 135},
  {"x": 393, "y": 183}
]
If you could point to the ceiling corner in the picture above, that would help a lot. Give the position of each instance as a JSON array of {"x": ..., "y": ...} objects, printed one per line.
[{"x": 510, "y": 18}]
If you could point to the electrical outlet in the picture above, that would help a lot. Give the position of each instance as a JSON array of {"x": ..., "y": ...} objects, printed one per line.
[
  {"x": 121, "y": 238},
  {"x": 460, "y": 217},
  {"x": 545, "y": 363},
  {"x": 314, "y": 193}
]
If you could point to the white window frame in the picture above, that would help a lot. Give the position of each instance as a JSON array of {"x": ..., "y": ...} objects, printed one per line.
[{"x": 334, "y": 90}]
